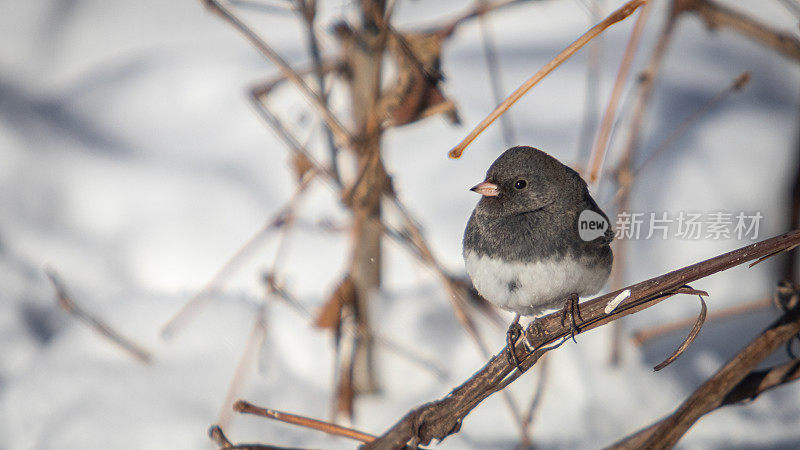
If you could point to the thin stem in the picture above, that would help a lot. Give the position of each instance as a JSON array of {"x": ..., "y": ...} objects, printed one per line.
[
  {"x": 216, "y": 435},
  {"x": 307, "y": 422},
  {"x": 717, "y": 16},
  {"x": 538, "y": 394},
  {"x": 68, "y": 305},
  {"x": 342, "y": 134},
  {"x": 736, "y": 85},
  {"x": 601, "y": 144},
  {"x": 625, "y": 168},
  {"x": 308, "y": 9},
  {"x": 495, "y": 78},
  {"x": 618, "y": 15},
  {"x": 254, "y": 342},
  {"x": 411, "y": 355},
  {"x": 478, "y": 9},
  {"x": 642, "y": 336},
  {"x": 232, "y": 263},
  {"x": 591, "y": 106}
]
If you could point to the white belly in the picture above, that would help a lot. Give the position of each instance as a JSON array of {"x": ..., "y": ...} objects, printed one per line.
[{"x": 529, "y": 288}]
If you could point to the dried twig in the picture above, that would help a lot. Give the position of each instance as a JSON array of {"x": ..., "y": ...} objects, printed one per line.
[
  {"x": 264, "y": 6},
  {"x": 624, "y": 171},
  {"x": 736, "y": 85},
  {"x": 268, "y": 85},
  {"x": 698, "y": 323},
  {"x": 792, "y": 7},
  {"x": 538, "y": 394},
  {"x": 456, "y": 293},
  {"x": 591, "y": 106},
  {"x": 718, "y": 16},
  {"x": 68, "y": 305},
  {"x": 645, "y": 90},
  {"x": 478, "y": 9},
  {"x": 793, "y": 208},
  {"x": 413, "y": 240},
  {"x": 642, "y": 336},
  {"x": 363, "y": 48},
  {"x": 440, "y": 418},
  {"x": 308, "y": 9},
  {"x": 233, "y": 262},
  {"x": 601, "y": 144},
  {"x": 343, "y": 136},
  {"x": 249, "y": 355},
  {"x": 285, "y": 221},
  {"x": 219, "y": 438},
  {"x": 626, "y": 10},
  {"x": 411, "y": 355},
  {"x": 714, "y": 392},
  {"x": 416, "y": 92},
  {"x": 307, "y": 422},
  {"x": 495, "y": 77},
  {"x": 290, "y": 140},
  {"x": 760, "y": 381}
]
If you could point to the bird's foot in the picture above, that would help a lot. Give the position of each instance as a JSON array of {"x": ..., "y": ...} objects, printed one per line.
[
  {"x": 568, "y": 314},
  {"x": 512, "y": 336}
]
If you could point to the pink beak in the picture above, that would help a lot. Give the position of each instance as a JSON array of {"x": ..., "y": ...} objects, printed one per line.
[{"x": 487, "y": 189}]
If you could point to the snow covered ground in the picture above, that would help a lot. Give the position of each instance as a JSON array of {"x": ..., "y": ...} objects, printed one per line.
[{"x": 132, "y": 164}]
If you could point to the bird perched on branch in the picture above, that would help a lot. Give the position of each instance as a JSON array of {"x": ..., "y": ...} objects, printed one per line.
[{"x": 536, "y": 239}]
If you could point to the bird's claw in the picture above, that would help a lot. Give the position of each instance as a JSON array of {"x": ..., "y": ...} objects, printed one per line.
[
  {"x": 512, "y": 336},
  {"x": 568, "y": 314}
]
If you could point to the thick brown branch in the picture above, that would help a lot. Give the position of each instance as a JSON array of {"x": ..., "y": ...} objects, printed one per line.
[
  {"x": 727, "y": 386},
  {"x": 760, "y": 381},
  {"x": 440, "y": 418}
]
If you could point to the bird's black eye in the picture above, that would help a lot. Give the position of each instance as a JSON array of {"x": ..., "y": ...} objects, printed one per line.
[{"x": 520, "y": 184}]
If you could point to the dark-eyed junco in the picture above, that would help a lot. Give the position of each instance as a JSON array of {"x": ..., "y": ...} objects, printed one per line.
[{"x": 536, "y": 237}]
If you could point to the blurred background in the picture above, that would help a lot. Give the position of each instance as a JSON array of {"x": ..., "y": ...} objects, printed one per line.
[{"x": 136, "y": 166}]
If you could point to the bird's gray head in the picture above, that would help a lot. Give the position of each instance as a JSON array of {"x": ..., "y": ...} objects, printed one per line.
[{"x": 524, "y": 179}]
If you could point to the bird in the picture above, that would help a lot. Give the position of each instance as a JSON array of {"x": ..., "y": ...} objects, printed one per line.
[{"x": 536, "y": 238}]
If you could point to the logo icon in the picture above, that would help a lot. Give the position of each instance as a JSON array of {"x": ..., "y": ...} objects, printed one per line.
[{"x": 591, "y": 225}]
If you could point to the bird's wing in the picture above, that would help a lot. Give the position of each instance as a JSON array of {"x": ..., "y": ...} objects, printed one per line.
[{"x": 591, "y": 205}]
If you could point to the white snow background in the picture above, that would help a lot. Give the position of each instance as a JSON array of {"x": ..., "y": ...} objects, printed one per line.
[{"x": 133, "y": 165}]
